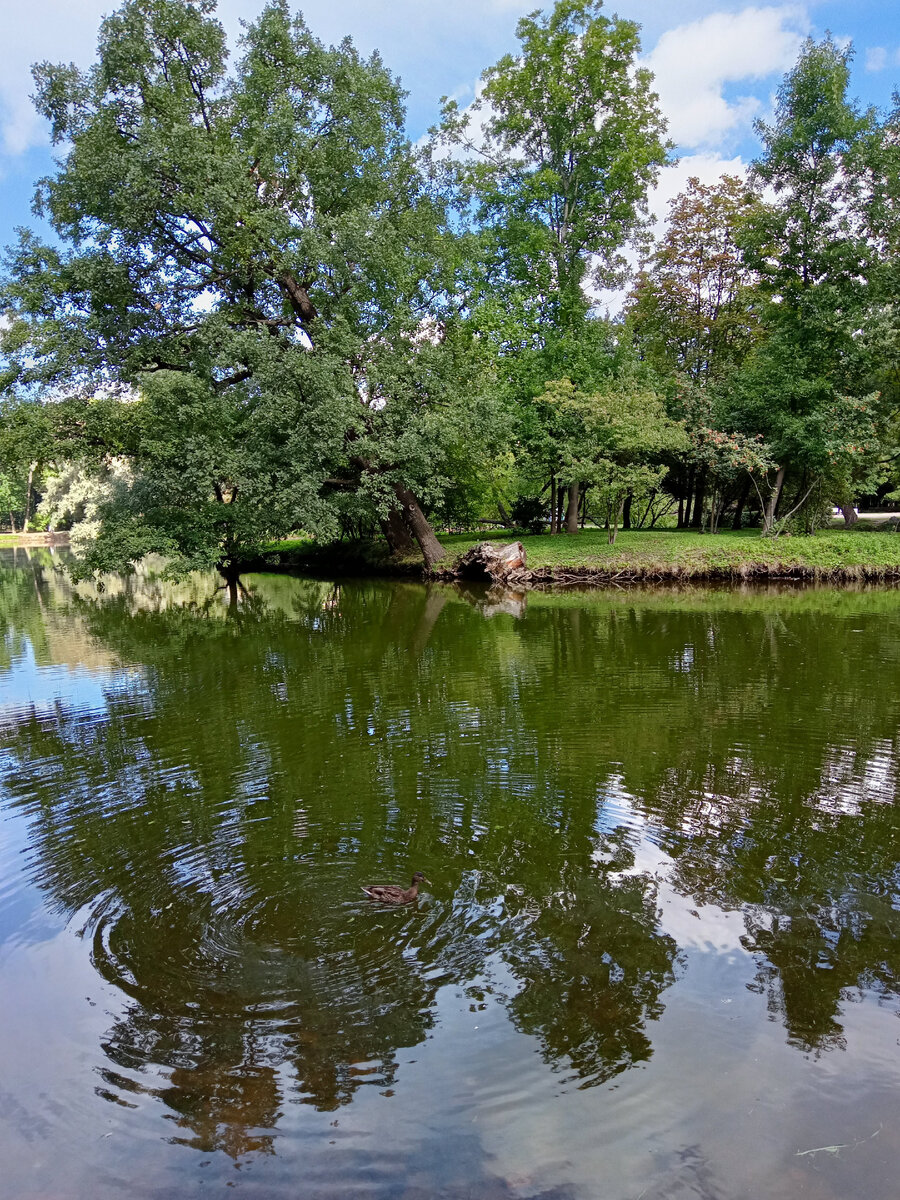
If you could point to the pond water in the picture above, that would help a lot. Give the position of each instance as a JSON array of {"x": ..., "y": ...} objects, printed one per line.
[{"x": 657, "y": 957}]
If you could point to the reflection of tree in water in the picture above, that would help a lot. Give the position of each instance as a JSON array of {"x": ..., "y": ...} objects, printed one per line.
[
  {"x": 406, "y": 731},
  {"x": 823, "y": 941},
  {"x": 593, "y": 975},
  {"x": 235, "y": 1026},
  {"x": 245, "y": 972},
  {"x": 798, "y": 831}
]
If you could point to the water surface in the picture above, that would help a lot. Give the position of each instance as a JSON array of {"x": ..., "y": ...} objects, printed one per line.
[{"x": 658, "y": 956}]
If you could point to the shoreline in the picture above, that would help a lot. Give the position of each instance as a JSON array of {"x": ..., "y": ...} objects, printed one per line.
[
  {"x": 15, "y": 541},
  {"x": 750, "y": 572},
  {"x": 586, "y": 560}
]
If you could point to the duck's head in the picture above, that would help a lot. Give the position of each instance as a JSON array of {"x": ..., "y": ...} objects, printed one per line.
[{"x": 420, "y": 878}]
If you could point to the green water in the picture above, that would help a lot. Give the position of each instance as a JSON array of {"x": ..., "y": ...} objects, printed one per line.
[{"x": 658, "y": 955}]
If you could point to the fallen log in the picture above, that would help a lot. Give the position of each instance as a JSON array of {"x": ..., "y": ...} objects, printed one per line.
[{"x": 492, "y": 562}]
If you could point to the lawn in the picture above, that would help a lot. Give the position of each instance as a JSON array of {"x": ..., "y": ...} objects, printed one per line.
[
  {"x": 855, "y": 553},
  {"x": 691, "y": 552}
]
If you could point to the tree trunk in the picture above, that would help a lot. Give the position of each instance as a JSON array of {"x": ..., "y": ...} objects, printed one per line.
[
  {"x": 572, "y": 509},
  {"x": 554, "y": 528},
  {"x": 614, "y": 528},
  {"x": 626, "y": 511},
  {"x": 397, "y": 533},
  {"x": 560, "y": 497},
  {"x": 685, "y": 522},
  {"x": 772, "y": 502},
  {"x": 742, "y": 501},
  {"x": 697, "y": 515},
  {"x": 851, "y": 516},
  {"x": 28, "y": 496},
  {"x": 432, "y": 550},
  {"x": 493, "y": 562}
]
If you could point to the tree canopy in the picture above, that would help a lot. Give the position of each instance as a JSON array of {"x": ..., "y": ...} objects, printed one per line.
[{"x": 265, "y": 311}]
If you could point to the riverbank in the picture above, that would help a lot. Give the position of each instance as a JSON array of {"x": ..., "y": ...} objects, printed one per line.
[
  {"x": 653, "y": 555},
  {"x": 10, "y": 541}
]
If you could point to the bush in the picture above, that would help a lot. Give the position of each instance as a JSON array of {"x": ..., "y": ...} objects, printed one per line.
[{"x": 529, "y": 513}]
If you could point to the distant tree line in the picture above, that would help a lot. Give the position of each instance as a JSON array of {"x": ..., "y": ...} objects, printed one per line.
[{"x": 265, "y": 311}]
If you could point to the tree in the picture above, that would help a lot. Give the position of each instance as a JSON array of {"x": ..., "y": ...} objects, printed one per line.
[
  {"x": 615, "y": 440},
  {"x": 727, "y": 458},
  {"x": 572, "y": 140},
  {"x": 690, "y": 309},
  {"x": 692, "y": 317},
  {"x": 558, "y": 173},
  {"x": 813, "y": 257},
  {"x": 267, "y": 235},
  {"x": 26, "y": 446}
]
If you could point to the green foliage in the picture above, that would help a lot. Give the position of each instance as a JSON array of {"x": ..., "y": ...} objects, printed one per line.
[
  {"x": 209, "y": 479},
  {"x": 529, "y": 512},
  {"x": 11, "y": 497},
  {"x": 614, "y": 440},
  {"x": 558, "y": 173},
  {"x": 269, "y": 235},
  {"x": 725, "y": 458},
  {"x": 691, "y": 308},
  {"x": 267, "y": 312},
  {"x": 810, "y": 251}
]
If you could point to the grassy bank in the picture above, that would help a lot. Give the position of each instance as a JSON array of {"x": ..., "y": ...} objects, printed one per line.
[
  {"x": 643, "y": 554},
  {"x": 10, "y": 541}
]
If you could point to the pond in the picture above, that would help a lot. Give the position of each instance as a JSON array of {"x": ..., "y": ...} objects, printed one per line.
[{"x": 657, "y": 956}]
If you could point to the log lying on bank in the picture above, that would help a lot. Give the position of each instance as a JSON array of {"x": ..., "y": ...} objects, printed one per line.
[{"x": 497, "y": 564}]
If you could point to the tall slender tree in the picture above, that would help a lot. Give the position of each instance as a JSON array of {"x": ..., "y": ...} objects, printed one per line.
[
  {"x": 691, "y": 309},
  {"x": 562, "y": 144},
  {"x": 813, "y": 256}
]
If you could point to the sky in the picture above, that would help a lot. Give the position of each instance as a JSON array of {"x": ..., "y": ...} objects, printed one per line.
[{"x": 717, "y": 65}]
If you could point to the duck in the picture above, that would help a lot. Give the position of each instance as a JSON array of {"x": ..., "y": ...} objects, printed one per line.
[{"x": 393, "y": 893}]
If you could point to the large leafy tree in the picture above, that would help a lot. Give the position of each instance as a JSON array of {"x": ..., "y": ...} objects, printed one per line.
[
  {"x": 813, "y": 257},
  {"x": 693, "y": 319},
  {"x": 615, "y": 440},
  {"x": 691, "y": 308},
  {"x": 267, "y": 234},
  {"x": 561, "y": 147}
]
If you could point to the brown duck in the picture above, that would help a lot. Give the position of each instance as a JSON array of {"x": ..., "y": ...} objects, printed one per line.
[{"x": 393, "y": 893}]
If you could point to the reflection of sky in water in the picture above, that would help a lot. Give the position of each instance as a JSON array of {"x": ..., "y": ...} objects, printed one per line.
[
  {"x": 26, "y": 689},
  {"x": 26, "y": 685}
]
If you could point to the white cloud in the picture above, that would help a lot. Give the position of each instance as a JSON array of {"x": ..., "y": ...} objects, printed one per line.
[
  {"x": 39, "y": 30},
  {"x": 876, "y": 58},
  {"x": 693, "y": 64}
]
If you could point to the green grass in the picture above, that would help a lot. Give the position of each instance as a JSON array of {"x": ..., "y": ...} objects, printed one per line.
[
  {"x": 637, "y": 554},
  {"x": 685, "y": 554}
]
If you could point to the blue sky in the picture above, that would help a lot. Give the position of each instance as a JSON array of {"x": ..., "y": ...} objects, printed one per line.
[{"x": 717, "y": 65}]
